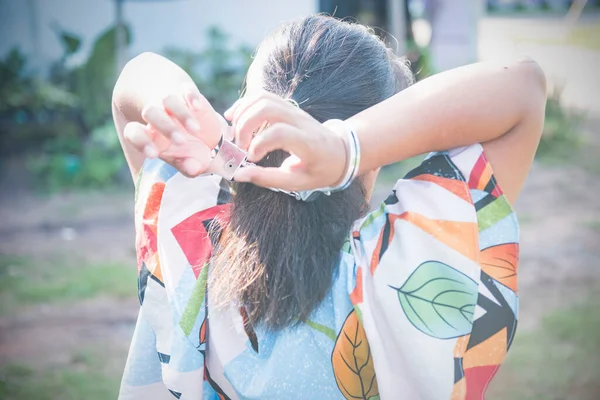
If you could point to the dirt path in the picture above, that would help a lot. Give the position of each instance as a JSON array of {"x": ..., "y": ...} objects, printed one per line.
[
  {"x": 560, "y": 240},
  {"x": 48, "y": 336}
]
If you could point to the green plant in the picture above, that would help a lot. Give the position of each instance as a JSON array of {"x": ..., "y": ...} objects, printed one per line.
[
  {"x": 421, "y": 60},
  {"x": 562, "y": 129},
  {"x": 53, "y": 170},
  {"x": 218, "y": 70},
  {"x": 67, "y": 162},
  {"x": 102, "y": 159},
  {"x": 93, "y": 81},
  {"x": 21, "y": 91}
]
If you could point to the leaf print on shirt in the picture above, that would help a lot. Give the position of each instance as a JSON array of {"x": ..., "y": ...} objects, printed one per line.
[
  {"x": 352, "y": 362},
  {"x": 439, "y": 300},
  {"x": 501, "y": 263}
]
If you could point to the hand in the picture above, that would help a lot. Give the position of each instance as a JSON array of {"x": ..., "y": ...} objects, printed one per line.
[
  {"x": 181, "y": 130},
  {"x": 318, "y": 153}
]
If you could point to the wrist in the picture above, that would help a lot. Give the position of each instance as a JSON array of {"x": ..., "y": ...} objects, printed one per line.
[
  {"x": 347, "y": 140},
  {"x": 225, "y": 130},
  {"x": 339, "y": 145}
]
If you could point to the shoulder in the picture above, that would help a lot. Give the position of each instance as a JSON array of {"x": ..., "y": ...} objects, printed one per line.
[{"x": 449, "y": 206}]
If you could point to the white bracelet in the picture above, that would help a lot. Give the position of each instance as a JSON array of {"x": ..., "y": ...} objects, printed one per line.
[{"x": 353, "y": 152}]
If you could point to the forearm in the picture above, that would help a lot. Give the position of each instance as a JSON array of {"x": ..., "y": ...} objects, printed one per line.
[
  {"x": 472, "y": 104},
  {"x": 146, "y": 79}
]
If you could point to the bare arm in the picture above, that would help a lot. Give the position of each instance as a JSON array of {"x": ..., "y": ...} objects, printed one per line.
[
  {"x": 158, "y": 111},
  {"x": 499, "y": 106},
  {"x": 145, "y": 80}
]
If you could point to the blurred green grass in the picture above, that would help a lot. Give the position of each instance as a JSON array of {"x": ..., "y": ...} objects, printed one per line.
[
  {"x": 593, "y": 224},
  {"x": 86, "y": 377},
  {"x": 25, "y": 281},
  {"x": 558, "y": 360}
]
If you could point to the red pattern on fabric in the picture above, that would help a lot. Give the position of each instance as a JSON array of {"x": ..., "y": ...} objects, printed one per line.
[
  {"x": 477, "y": 171},
  {"x": 146, "y": 242},
  {"x": 193, "y": 237},
  {"x": 497, "y": 192},
  {"x": 356, "y": 297},
  {"x": 478, "y": 379}
]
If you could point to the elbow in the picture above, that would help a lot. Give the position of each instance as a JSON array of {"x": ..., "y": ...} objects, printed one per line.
[
  {"x": 535, "y": 76},
  {"x": 142, "y": 59},
  {"x": 128, "y": 77},
  {"x": 534, "y": 79}
]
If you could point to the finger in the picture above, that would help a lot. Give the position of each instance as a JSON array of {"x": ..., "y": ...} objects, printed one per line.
[
  {"x": 191, "y": 159},
  {"x": 138, "y": 137},
  {"x": 191, "y": 167},
  {"x": 279, "y": 136},
  {"x": 211, "y": 123},
  {"x": 177, "y": 107},
  {"x": 162, "y": 122},
  {"x": 228, "y": 114},
  {"x": 198, "y": 103},
  {"x": 280, "y": 178},
  {"x": 248, "y": 101},
  {"x": 255, "y": 117}
]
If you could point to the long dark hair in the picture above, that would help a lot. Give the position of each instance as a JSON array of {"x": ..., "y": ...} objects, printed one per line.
[{"x": 278, "y": 256}]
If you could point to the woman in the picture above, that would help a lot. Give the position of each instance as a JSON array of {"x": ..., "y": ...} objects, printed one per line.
[{"x": 263, "y": 295}]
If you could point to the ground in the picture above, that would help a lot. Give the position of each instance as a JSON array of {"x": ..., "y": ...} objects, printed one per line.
[{"x": 68, "y": 277}]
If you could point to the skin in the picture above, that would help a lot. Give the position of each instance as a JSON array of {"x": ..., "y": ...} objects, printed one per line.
[
  {"x": 254, "y": 85},
  {"x": 498, "y": 105}
]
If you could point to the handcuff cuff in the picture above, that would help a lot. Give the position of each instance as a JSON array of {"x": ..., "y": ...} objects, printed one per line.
[{"x": 228, "y": 158}]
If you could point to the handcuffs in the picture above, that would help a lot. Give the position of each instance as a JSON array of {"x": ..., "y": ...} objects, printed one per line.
[{"x": 228, "y": 158}]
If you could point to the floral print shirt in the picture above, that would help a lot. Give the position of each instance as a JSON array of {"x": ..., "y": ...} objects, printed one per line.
[{"x": 424, "y": 304}]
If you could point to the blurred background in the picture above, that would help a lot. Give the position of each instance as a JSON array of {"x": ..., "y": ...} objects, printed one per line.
[{"x": 68, "y": 299}]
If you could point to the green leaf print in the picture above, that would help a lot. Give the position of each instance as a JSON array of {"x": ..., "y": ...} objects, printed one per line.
[
  {"x": 327, "y": 331},
  {"x": 439, "y": 300}
]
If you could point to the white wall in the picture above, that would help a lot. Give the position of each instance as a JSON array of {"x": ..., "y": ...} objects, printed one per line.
[
  {"x": 454, "y": 41},
  {"x": 155, "y": 24}
]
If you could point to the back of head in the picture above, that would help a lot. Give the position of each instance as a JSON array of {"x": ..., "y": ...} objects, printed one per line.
[{"x": 278, "y": 256}]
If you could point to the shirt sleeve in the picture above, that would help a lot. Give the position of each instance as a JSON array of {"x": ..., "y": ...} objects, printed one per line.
[
  {"x": 437, "y": 256},
  {"x": 173, "y": 218}
]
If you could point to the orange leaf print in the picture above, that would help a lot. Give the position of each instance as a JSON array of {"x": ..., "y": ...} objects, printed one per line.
[
  {"x": 352, "y": 361},
  {"x": 460, "y": 236},
  {"x": 501, "y": 263},
  {"x": 203, "y": 332},
  {"x": 459, "y": 188},
  {"x": 153, "y": 201}
]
